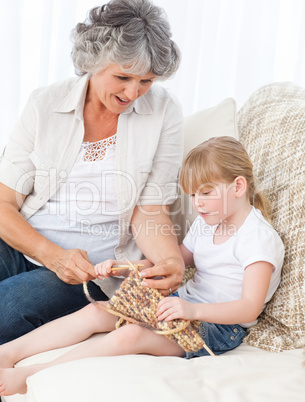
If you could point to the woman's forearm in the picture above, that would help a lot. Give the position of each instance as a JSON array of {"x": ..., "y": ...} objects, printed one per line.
[
  {"x": 154, "y": 234},
  {"x": 71, "y": 266},
  {"x": 21, "y": 236}
]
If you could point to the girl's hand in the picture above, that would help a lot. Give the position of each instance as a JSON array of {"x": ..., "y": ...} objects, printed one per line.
[
  {"x": 105, "y": 269},
  {"x": 171, "y": 308}
]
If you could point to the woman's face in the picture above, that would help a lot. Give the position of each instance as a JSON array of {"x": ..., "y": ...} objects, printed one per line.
[{"x": 115, "y": 90}]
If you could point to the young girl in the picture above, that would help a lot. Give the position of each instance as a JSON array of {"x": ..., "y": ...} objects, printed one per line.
[{"x": 238, "y": 256}]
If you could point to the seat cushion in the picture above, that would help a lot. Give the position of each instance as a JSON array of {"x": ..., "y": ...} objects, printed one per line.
[{"x": 240, "y": 375}]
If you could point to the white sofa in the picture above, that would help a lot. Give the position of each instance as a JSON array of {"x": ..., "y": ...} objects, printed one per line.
[{"x": 246, "y": 374}]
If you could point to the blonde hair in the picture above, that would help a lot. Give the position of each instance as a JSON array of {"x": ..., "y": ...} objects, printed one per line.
[{"x": 221, "y": 159}]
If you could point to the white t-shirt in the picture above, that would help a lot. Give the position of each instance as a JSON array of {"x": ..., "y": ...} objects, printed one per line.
[{"x": 220, "y": 267}]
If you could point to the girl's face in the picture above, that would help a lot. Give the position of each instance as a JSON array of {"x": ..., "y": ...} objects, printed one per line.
[
  {"x": 116, "y": 90},
  {"x": 216, "y": 204}
]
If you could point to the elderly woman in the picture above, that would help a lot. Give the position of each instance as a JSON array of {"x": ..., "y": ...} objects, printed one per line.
[{"x": 90, "y": 171}]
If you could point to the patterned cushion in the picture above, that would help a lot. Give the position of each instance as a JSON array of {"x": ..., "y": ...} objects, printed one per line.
[{"x": 272, "y": 127}]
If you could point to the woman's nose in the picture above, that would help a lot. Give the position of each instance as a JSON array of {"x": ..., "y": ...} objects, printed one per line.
[{"x": 132, "y": 90}]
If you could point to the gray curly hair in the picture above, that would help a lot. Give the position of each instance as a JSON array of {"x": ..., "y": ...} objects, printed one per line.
[{"x": 132, "y": 33}]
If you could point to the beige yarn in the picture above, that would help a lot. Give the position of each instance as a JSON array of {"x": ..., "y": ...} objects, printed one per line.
[
  {"x": 272, "y": 128},
  {"x": 137, "y": 304}
]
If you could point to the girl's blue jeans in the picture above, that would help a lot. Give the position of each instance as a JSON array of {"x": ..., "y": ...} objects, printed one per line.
[
  {"x": 31, "y": 295},
  {"x": 219, "y": 338}
]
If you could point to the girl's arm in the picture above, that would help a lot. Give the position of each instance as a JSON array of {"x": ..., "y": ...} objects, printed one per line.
[{"x": 246, "y": 309}]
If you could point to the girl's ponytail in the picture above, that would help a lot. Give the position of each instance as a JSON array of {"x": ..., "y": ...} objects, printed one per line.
[{"x": 259, "y": 201}]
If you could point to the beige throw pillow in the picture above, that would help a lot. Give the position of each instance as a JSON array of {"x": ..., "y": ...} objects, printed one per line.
[
  {"x": 213, "y": 122},
  {"x": 272, "y": 127}
]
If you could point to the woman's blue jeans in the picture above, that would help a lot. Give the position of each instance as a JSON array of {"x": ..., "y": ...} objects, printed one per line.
[{"x": 31, "y": 295}]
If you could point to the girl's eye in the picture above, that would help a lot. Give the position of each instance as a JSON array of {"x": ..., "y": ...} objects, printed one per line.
[{"x": 192, "y": 195}]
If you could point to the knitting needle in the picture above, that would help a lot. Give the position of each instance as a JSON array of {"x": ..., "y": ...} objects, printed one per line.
[
  {"x": 119, "y": 267},
  {"x": 135, "y": 268},
  {"x": 209, "y": 350}
]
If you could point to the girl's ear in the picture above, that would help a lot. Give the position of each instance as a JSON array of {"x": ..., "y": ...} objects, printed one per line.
[{"x": 241, "y": 186}]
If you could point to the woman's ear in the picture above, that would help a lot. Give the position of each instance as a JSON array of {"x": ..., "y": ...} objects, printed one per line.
[{"x": 240, "y": 186}]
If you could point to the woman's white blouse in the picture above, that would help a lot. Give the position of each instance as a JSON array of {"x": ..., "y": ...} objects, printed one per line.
[
  {"x": 83, "y": 213},
  {"x": 47, "y": 139}
]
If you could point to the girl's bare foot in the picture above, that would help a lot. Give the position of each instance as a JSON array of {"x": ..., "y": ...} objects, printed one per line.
[
  {"x": 13, "y": 381},
  {"x": 6, "y": 361}
]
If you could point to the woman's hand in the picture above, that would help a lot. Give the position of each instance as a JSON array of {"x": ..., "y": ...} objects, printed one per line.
[
  {"x": 171, "y": 308},
  {"x": 166, "y": 275},
  {"x": 72, "y": 266}
]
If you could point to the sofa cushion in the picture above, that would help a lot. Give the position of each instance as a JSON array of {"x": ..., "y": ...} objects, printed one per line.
[
  {"x": 272, "y": 127},
  {"x": 198, "y": 127},
  {"x": 239, "y": 375}
]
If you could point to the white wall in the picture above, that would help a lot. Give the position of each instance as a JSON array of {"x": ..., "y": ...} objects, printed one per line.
[{"x": 230, "y": 48}]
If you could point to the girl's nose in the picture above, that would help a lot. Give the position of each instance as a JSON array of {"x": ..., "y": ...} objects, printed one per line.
[{"x": 199, "y": 202}]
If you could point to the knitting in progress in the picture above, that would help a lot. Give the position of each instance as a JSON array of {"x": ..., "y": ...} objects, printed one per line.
[{"x": 137, "y": 304}]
